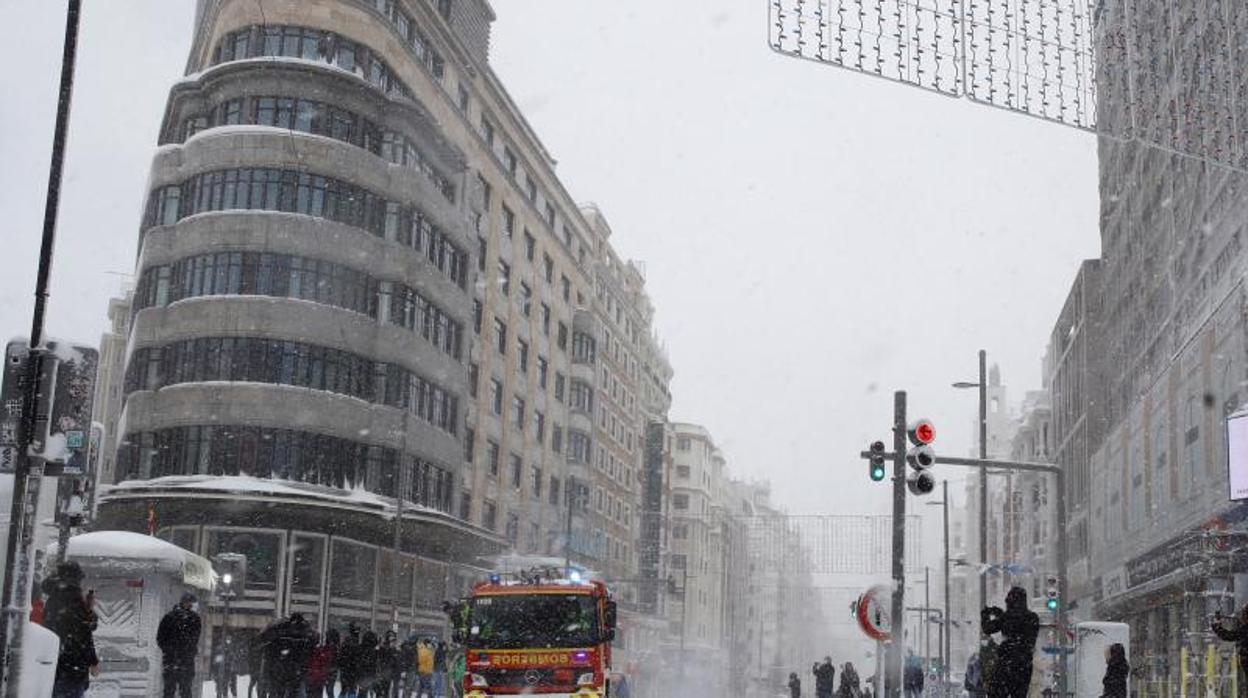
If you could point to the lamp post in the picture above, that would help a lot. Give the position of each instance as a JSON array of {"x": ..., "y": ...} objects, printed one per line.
[
  {"x": 946, "y": 640},
  {"x": 983, "y": 471}
]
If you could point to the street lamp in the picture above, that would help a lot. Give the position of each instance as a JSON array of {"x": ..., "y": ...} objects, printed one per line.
[{"x": 982, "y": 385}]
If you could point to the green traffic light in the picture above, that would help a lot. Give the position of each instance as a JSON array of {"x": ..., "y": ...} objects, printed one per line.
[
  {"x": 1052, "y": 604},
  {"x": 877, "y": 473}
]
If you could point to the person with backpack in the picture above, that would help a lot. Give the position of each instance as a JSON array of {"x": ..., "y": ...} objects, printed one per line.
[
  {"x": 70, "y": 615},
  {"x": 323, "y": 666},
  {"x": 178, "y": 639}
]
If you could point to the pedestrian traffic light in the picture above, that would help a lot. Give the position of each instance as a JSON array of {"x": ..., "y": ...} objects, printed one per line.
[
  {"x": 875, "y": 463},
  {"x": 1055, "y": 598},
  {"x": 232, "y": 573},
  {"x": 921, "y": 457}
]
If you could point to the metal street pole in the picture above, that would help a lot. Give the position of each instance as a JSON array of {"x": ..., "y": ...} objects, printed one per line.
[
  {"x": 927, "y": 625},
  {"x": 28, "y": 472},
  {"x": 567, "y": 537},
  {"x": 893, "y": 677},
  {"x": 983, "y": 475},
  {"x": 948, "y": 626}
]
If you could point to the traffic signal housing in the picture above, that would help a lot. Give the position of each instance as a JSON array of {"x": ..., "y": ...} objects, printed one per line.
[
  {"x": 232, "y": 573},
  {"x": 921, "y": 457},
  {"x": 875, "y": 464},
  {"x": 1054, "y": 600}
]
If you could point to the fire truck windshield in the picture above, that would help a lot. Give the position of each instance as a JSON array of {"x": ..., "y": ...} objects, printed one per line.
[{"x": 533, "y": 620}]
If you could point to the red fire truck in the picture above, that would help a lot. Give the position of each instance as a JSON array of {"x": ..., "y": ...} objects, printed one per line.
[{"x": 536, "y": 635}]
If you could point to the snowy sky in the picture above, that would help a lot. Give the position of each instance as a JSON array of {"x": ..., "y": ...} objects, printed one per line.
[{"x": 814, "y": 238}]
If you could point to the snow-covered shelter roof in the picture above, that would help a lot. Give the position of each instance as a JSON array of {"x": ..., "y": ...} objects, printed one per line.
[{"x": 125, "y": 551}]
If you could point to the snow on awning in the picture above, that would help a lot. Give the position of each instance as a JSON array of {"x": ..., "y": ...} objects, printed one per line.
[{"x": 128, "y": 550}]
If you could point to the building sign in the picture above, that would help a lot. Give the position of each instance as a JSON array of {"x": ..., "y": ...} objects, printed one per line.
[
  {"x": 70, "y": 427},
  {"x": 1237, "y": 454},
  {"x": 1178, "y": 552}
]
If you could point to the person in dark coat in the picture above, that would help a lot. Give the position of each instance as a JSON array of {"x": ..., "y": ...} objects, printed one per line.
[
  {"x": 1116, "y": 670},
  {"x": 407, "y": 666},
  {"x": 1011, "y": 670},
  {"x": 323, "y": 667},
  {"x": 912, "y": 677},
  {"x": 795, "y": 685},
  {"x": 224, "y": 668},
  {"x": 349, "y": 655},
  {"x": 387, "y": 665},
  {"x": 825, "y": 675},
  {"x": 68, "y": 614},
  {"x": 288, "y": 646},
  {"x": 368, "y": 663},
  {"x": 178, "y": 640},
  {"x": 1238, "y": 634},
  {"x": 850, "y": 687}
]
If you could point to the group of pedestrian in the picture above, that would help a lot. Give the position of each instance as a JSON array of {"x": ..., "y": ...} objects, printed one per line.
[
  {"x": 290, "y": 660},
  {"x": 825, "y": 681}
]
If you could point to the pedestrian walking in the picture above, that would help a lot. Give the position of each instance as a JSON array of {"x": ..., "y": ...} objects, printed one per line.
[
  {"x": 224, "y": 668},
  {"x": 456, "y": 669},
  {"x": 407, "y": 664},
  {"x": 72, "y": 617},
  {"x": 367, "y": 664},
  {"x": 323, "y": 666},
  {"x": 912, "y": 677},
  {"x": 795, "y": 685},
  {"x": 350, "y": 653},
  {"x": 288, "y": 646},
  {"x": 387, "y": 665},
  {"x": 177, "y": 636},
  {"x": 825, "y": 675},
  {"x": 1011, "y": 671},
  {"x": 439, "y": 672},
  {"x": 850, "y": 686},
  {"x": 1114, "y": 685},
  {"x": 974, "y": 680},
  {"x": 255, "y": 668},
  {"x": 424, "y": 667}
]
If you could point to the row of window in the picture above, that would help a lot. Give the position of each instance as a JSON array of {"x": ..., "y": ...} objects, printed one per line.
[
  {"x": 289, "y": 191},
  {"x": 309, "y": 116},
  {"x": 283, "y": 454},
  {"x": 279, "y": 362},
  {"x": 412, "y": 34},
  {"x": 289, "y": 276},
  {"x": 312, "y": 45}
]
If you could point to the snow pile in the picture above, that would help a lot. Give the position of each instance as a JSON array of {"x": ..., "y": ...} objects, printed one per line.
[
  {"x": 127, "y": 549},
  {"x": 245, "y": 484}
]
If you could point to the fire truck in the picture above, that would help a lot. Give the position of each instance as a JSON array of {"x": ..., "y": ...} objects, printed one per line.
[{"x": 538, "y": 633}]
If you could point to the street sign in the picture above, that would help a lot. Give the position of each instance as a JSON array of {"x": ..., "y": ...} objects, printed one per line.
[
  {"x": 873, "y": 614},
  {"x": 1237, "y": 454},
  {"x": 72, "y": 402}
]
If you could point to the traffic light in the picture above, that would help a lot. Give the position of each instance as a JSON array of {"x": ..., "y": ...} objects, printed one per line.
[
  {"x": 875, "y": 464},
  {"x": 921, "y": 457},
  {"x": 232, "y": 573},
  {"x": 1055, "y": 598}
]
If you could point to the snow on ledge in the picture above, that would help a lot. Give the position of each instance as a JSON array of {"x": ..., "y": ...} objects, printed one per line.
[
  {"x": 245, "y": 484},
  {"x": 129, "y": 549}
]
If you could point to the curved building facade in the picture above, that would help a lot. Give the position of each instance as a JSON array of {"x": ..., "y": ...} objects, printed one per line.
[{"x": 362, "y": 291}]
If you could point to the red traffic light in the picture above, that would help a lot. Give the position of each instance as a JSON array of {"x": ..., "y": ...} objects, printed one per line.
[{"x": 922, "y": 432}]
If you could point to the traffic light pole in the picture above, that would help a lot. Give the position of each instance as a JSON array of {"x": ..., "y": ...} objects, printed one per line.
[
  {"x": 893, "y": 676},
  {"x": 28, "y": 471}
]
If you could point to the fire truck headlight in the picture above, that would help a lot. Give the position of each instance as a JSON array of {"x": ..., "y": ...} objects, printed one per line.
[
  {"x": 586, "y": 679},
  {"x": 575, "y": 576},
  {"x": 478, "y": 680}
]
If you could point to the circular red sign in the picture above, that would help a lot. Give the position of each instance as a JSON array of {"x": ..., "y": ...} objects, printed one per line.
[
  {"x": 872, "y": 613},
  {"x": 925, "y": 432}
]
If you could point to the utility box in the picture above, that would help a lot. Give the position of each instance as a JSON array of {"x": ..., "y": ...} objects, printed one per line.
[
  {"x": 137, "y": 580},
  {"x": 1091, "y": 641}
]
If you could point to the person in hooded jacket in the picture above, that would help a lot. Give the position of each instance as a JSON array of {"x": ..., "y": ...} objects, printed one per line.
[
  {"x": 849, "y": 682},
  {"x": 68, "y": 614},
  {"x": 1019, "y": 626},
  {"x": 368, "y": 663},
  {"x": 825, "y": 677},
  {"x": 1114, "y": 685},
  {"x": 177, "y": 636},
  {"x": 323, "y": 666},
  {"x": 349, "y": 655},
  {"x": 288, "y": 646}
]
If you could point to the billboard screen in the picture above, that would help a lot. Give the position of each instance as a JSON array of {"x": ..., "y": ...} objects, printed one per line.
[{"x": 1237, "y": 454}]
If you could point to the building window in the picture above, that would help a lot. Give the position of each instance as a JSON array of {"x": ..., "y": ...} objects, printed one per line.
[
  {"x": 559, "y": 386},
  {"x": 465, "y": 98},
  {"x": 566, "y": 288},
  {"x": 487, "y": 131},
  {"x": 523, "y": 358},
  {"x": 556, "y": 439},
  {"x": 550, "y": 214},
  {"x": 444, "y": 8},
  {"x": 474, "y": 378},
  {"x": 530, "y": 188},
  {"x": 470, "y": 445},
  {"x": 682, "y": 471},
  {"x": 537, "y": 482},
  {"x": 545, "y": 319},
  {"x": 683, "y": 443},
  {"x": 492, "y": 455},
  {"x": 517, "y": 411},
  {"x": 530, "y": 245},
  {"x": 539, "y": 426},
  {"x": 500, "y": 335},
  {"x": 543, "y": 367},
  {"x": 509, "y": 160},
  {"x": 548, "y": 268},
  {"x": 517, "y": 467},
  {"x": 504, "y": 277},
  {"x": 509, "y": 222},
  {"x": 680, "y": 501},
  {"x": 513, "y": 528},
  {"x": 496, "y": 396},
  {"x": 465, "y": 505},
  {"x": 554, "y": 490},
  {"x": 489, "y": 514},
  {"x": 561, "y": 340}
]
